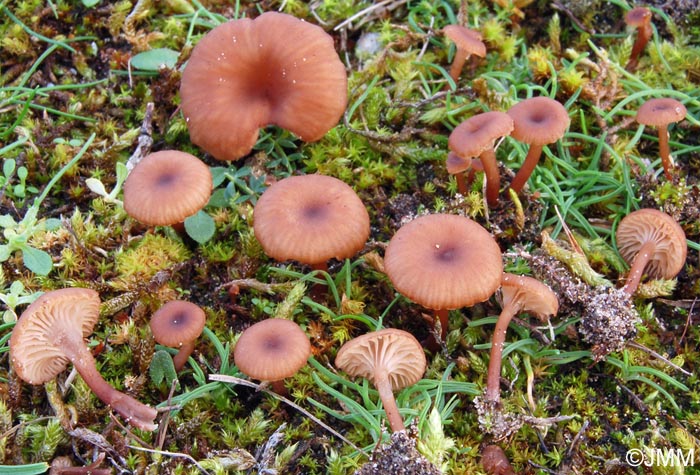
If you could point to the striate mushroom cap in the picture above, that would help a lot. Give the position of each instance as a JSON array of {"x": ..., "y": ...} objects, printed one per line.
[
  {"x": 638, "y": 16},
  {"x": 531, "y": 295},
  {"x": 660, "y": 112},
  {"x": 35, "y": 344},
  {"x": 466, "y": 40},
  {"x": 393, "y": 351},
  {"x": 272, "y": 349},
  {"x": 245, "y": 74},
  {"x": 538, "y": 120},
  {"x": 433, "y": 260},
  {"x": 166, "y": 187},
  {"x": 478, "y": 133},
  {"x": 310, "y": 219},
  {"x": 177, "y": 322},
  {"x": 648, "y": 224}
]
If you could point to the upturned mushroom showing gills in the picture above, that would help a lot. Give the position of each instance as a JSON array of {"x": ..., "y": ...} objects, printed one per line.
[
  {"x": 537, "y": 121},
  {"x": 660, "y": 113},
  {"x": 49, "y": 335},
  {"x": 392, "y": 359},
  {"x": 178, "y": 324},
  {"x": 444, "y": 262},
  {"x": 518, "y": 294},
  {"x": 653, "y": 243},
  {"x": 246, "y": 74}
]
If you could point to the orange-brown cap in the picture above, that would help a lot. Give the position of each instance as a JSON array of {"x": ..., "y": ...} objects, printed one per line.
[
  {"x": 638, "y": 16},
  {"x": 272, "y": 350},
  {"x": 311, "y": 219},
  {"x": 478, "y": 133},
  {"x": 530, "y": 295},
  {"x": 444, "y": 262},
  {"x": 177, "y": 322},
  {"x": 466, "y": 40},
  {"x": 393, "y": 351},
  {"x": 245, "y": 74},
  {"x": 35, "y": 344},
  {"x": 648, "y": 224},
  {"x": 456, "y": 164},
  {"x": 538, "y": 120},
  {"x": 166, "y": 187},
  {"x": 660, "y": 111}
]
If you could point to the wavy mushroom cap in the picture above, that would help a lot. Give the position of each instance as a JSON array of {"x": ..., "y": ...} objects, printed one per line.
[
  {"x": 466, "y": 40},
  {"x": 166, "y": 187},
  {"x": 478, "y": 133},
  {"x": 456, "y": 164},
  {"x": 660, "y": 112},
  {"x": 395, "y": 352},
  {"x": 245, "y": 74},
  {"x": 177, "y": 322},
  {"x": 444, "y": 262},
  {"x": 638, "y": 16},
  {"x": 529, "y": 294},
  {"x": 310, "y": 219},
  {"x": 646, "y": 225},
  {"x": 272, "y": 350},
  {"x": 538, "y": 120},
  {"x": 35, "y": 344}
]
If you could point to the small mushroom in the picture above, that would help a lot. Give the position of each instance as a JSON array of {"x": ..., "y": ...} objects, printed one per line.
[
  {"x": 518, "y": 294},
  {"x": 537, "y": 121},
  {"x": 444, "y": 262},
  {"x": 660, "y": 112},
  {"x": 392, "y": 359},
  {"x": 272, "y": 350},
  {"x": 652, "y": 242},
  {"x": 49, "y": 335},
  {"x": 245, "y": 74},
  {"x": 639, "y": 18},
  {"x": 310, "y": 219},
  {"x": 475, "y": 137},
  {"x": 468, "y": 42},
  {"x": 178, "y": 324},
  {"x": 167, "y": 187}
]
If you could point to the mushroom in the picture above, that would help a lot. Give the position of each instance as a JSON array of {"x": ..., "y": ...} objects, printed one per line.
[
  {"x": 660, "y": 112},
  {"x": 537, "y": 121},
  {"x": 639, "y": 18},
  {"x": 495, "y": 461},
  {"x": 272, "y": 350},
  {"x": 178, "y": 324},
  {"x": 652, "y": 242},
  {"x": 167, "y": 187},
  {"x": 310, "y": 219},
  {"x": 49, "y": 335},
  {"x": 434, "y": 260},
  {"x": 392, "y": 359},
  {"x": 468, "y": 42},
  {"x": 245, "y": 74},
  {"x": 518, "y": 294},
  {"x": 475, "y": 137}
]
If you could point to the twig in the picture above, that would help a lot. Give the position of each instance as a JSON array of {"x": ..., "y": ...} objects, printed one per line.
[
  {"x": 171, "y": 454},
  {"x": 656, "y": 355},
  {"x": 145, "y": 140}
]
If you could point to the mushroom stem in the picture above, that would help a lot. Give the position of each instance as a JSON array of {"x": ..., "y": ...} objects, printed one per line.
[
  {"x": 644, "y": 33},
  {"x": 665, "y": 151},
  {"x": 493, "y": 378},
  {"x": 533, "y": 156},
  {"x": 136, "y": 413},
  {"x": 457, "y": 64},
  {"x": 386, "y": 394},
  {"x": 638, "y": 265},
  {"x": 443, "y": 316},
  {"x": 493, "y": 178},
  {"x": 461, "y": 183},
  {"x": 183, "y": 354}
]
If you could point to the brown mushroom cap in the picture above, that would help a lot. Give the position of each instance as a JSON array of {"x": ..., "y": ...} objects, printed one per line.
[
  {"x": 177, "y": 322},
  {"x": 433, "y": 260},
  {"x": 393, "y": 351},
  {"x": 272, "y": 349},
  {"x": 311, "y": 219},
  {"x": 35, "y": 344},
  {"x": 648, "y": 224},
  {"x": 245, "y": 74},
  {"x": 638, "y": 16},
  {"x": 532, "y": 296},
  {"x": 660, "y": 112},
  {"x": 466, "y": 40},
  {"x": 538, "y": 120},
  {"x": 478, "y": 133},
  {"x": 166, "y": 187}
]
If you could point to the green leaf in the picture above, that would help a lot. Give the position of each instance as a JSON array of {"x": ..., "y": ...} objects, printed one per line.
[
  {"x": 30, "y": 469},
  {"x": 155, "y": 59},
  {"x": 91, "y": 3},
  {"x": 200, "y": 227},
  {"x": 5, "y": 252},
  {"x": 7, "y": 221},
  {"x": 162, "y": 368},
  {"x": 52, "y": 224},
  {"x": 8, "y": 167},
  {"x": 36, "y": 260}
]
